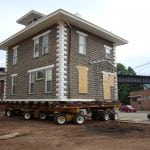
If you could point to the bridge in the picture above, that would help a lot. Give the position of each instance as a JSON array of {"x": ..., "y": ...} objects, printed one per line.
[{"x": 133, "y": 79}]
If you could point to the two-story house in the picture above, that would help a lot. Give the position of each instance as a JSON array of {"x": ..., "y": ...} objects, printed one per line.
[{"x": 60, "y": 57}]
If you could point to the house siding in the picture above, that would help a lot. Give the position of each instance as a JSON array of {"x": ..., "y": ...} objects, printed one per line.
[
  {"x": 94, "y": 51},
  {"x": 140, "y": 99},
  {"x": 25, "y": 62}
]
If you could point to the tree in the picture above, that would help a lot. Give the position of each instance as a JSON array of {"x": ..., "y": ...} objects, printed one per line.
[{"x": 124, "y": 89}]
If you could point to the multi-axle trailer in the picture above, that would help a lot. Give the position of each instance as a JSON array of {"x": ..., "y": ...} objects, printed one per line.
[{"x": 63, "y": 112}]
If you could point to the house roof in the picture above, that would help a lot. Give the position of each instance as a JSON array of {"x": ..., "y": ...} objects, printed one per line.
[{"x": 54, "y": 17}]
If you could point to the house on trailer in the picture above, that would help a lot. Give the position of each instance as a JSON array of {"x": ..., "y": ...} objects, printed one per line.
[{"x": 60, "y": 57}]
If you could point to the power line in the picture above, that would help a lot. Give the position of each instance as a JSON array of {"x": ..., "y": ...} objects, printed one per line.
[{"x": 141, "y": 65}]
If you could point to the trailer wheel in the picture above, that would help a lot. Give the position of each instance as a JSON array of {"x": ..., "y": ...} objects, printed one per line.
[
  {"x": 8, "y": 113},
  {"x": 60, "y": 119},
  {"x": 105, "y": 116},
  {"x": 114, "y": 116},
  {"x": 79, "y": 119},
  {"x": 27, "y": 115},
  {"x": 42, "y": 116}
]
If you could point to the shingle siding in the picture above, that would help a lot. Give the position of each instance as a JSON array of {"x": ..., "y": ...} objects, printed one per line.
[
  {"x": 27, "y": 62},
  {"x": 94, "y": 51}
]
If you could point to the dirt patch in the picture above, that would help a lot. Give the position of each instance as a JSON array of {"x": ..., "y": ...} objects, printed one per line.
[{"x": 93, "y": 135}]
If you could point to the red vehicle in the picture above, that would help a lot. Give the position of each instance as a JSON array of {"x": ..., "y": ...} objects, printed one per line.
[{"x": 127, "y": 108}]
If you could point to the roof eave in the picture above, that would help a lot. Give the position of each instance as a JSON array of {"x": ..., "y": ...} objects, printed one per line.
[{"x": 66, "y": 16}]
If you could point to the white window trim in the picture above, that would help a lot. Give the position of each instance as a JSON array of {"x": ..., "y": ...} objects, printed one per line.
[
  {"x": 46, "y": 80},
  {"x": 38, "y": 36},
  {"x": 34, "y": 48},
  {"x": 13, "y": 75},
  {"x": 43, "y": 43},
  {"x": 15, "y": 48},
  {"x": 41, "y": 68},
  {"x": 110, "y": 48},
  {"x": 30, "y": 83},
  {"x": 12, "y": 83},
  {"x": 81, "y": 33}
]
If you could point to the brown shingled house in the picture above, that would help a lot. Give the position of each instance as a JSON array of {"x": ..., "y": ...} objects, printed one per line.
[{"x": 60, "y": 57}]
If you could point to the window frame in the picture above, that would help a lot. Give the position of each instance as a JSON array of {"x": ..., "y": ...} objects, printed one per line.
[
  {"x": 13, "y": 84},
  {"x": 80, "y": 44},
  {"x": 41, "y": 78},
  {"x": 15, "y": 54},
  {"x": 47, "y": 44},
  {"x": 108, "y": 55},
  {"x": 31, "y": 82},
  {"x": 34, "y": 50},
  {"x": 46, "y": 80}
]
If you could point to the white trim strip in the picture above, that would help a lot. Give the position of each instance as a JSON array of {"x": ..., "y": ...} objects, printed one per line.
[
  {"x": 15, "y": 47},
  {"x": 81, "y": 33},
  {"x": 106, "y": 46},
  {"x": 36, "y": 37},
  {"x": 41, "y": 68},
  {"x": 47, "y": 100},
  {"x": 13, "y": 75}
]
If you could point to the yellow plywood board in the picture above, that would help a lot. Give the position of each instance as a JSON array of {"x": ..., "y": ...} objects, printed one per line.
[
  {"x": 108, "y": 82},
  {"x": 83, "y": 79}
]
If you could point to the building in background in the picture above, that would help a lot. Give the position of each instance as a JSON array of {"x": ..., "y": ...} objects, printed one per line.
[{"x": 140, "y": 99}]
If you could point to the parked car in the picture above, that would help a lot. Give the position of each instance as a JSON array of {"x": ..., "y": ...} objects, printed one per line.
[
  {"x": 127, "y": 108},
  {"x": 148, "y": 116}
]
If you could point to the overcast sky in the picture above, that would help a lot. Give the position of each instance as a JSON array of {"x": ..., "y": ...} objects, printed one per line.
[{"x": 129, "y": 19}]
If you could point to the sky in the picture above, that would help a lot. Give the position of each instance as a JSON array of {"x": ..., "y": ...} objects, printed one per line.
[{"x": 130, "y": 19}]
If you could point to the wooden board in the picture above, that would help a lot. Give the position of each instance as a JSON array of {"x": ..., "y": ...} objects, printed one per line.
[
  {"x": 82, "y": 79},
  {"x": 108, "y": 82}
]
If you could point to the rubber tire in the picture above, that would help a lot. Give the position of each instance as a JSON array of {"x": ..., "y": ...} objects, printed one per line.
[
  {"x": 60, "y": 119},
  {"x": 114, "y": 116},
  {"x": 8, "y": 113},
  {"x": 27, "y": 115},
  {"x": 105, "y": 116},
  {"x": 42, "y": 116},
  {"x": 79, "y": 119}
]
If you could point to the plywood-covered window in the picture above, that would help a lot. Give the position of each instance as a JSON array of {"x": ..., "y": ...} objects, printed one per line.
[
  {"x": 108, "y": 82},
  {"x": 82, "y": 79}
]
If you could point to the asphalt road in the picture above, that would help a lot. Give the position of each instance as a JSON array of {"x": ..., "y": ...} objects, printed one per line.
[{"x": 137, "y": 117}]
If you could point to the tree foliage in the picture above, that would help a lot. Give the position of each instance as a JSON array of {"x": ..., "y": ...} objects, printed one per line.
[{"x": 124, "y": 89}]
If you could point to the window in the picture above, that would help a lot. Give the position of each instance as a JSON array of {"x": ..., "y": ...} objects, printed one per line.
[
  {"x": 108, "y": 52},
  {"x": 31, "y": 82},
  {"x": 45, "y": 44},
  {"x": 13, "y": 86},
  {"x": 82, "y": 43},
  {"x": 40, "y": 75},
  {"x": 15, "y": 55},
  {"x": 83, "y": 79},
  {"x": 48, "y": 81},
  {"x": 36, "y": 48}
]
